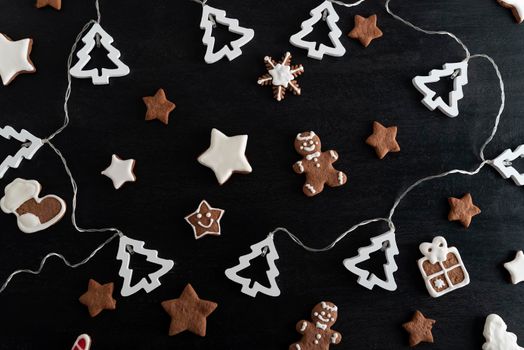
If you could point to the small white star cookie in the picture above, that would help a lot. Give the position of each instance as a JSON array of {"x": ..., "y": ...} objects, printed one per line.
[
  {"x": 14, "y": 58},
  {"x": 226, "y": 155},
  {"x": 515, "y": 268},
  {"x": 120, "y": 171}
]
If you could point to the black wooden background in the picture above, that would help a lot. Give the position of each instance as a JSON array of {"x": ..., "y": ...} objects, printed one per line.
[{"x": 161, "y": 43}]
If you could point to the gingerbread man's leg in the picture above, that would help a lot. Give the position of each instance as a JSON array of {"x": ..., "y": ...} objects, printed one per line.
[
  {"x": 295, "y": 346},
  {"x": 336, "y": 178},
  {"x": 312, "y": 187}
]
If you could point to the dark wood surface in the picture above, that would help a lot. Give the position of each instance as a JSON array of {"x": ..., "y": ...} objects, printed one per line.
[{"x": 161, "y": 42}]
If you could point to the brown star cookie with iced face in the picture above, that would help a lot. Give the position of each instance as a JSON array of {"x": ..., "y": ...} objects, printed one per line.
[
  {"x": 383, "y": 139},
  {"x": 98, "y": 297},
  {"x": 316, "y": 165},
  {"x": 419, "y": 329},
  {"x": 462, "y": 209},
  {"x": 205, "y": 220},
  {"x": 158, "y": 106},
  {"x": 365, "y": 30},
  {"x": 188, "y": 312}
]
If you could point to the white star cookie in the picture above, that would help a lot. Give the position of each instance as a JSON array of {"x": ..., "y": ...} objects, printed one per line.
[
  {"x": 14, "y": 58},
  {"x": 226, "y": 155},
  {"x": 515, "y": 268},
  {"x": 516, "y": 6},
  {"x": 120, "y": 171}
]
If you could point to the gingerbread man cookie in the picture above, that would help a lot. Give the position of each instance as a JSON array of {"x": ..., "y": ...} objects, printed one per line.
[
  {"x": 318, "y": 334},
  {"x": 316, "y": 165}
]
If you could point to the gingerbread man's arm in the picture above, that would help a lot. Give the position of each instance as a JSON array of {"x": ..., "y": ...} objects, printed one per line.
[
  {"x": 298, "y": 167},
  {"x": 333, "y": 156},
  {"x": 303, "y": 325},
  {"x": 335, "y": 337}
]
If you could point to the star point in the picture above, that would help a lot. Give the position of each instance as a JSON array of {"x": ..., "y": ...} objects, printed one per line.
[
  {"x": 462, "y": 209},
  {"x": 56, "y": 4},
  {"x": 365, "y": 30},
  {"x": 226, "y": 155},
  {"x": 383, "y": 139},
  {"x": 516, "y": 7},
  {"x": 120, "y": 171},
  {"x": 515, "y": 268},
  {"x": 188, "y": 312},
  {"x": 158, "y": 106},
  {"x": 98, "y": 297},
  {"x": 14, "y": 58},
  {"x": 419, "y": 329}
]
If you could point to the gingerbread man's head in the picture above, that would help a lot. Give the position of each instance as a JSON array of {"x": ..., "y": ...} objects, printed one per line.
[
  {"x": 307, "y": 143},
  {"x": 325, "y": 313}
]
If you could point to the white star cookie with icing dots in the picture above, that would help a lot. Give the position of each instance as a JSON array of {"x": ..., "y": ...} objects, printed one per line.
[
  {"x": 226, "y": 155},
  {"x": 14, "y": 58}
]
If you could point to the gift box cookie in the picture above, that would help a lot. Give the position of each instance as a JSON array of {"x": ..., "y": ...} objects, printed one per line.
[{"x": 442, "y": 267}]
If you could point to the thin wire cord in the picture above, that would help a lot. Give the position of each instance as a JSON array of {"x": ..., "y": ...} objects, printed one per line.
[
  {"x": 201, "y": 2},
  {"x": 430, "y": 32},
  {"x": 98, "y": 14},
  {"x": 339, "y": 238},
  {"x": 347, "y": 4}
]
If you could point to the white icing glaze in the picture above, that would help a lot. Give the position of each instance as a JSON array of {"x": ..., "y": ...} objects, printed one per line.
[
  {"x": 17, "y": 193},
  {"x": 321, "y": 325},
  {"x": 323, "y": 319},
  {"x": 436, "y": 251},
  {"x": 497, "y": 336},
  {"x": 439, "y": 283},
  {"x": 334, "y": 338},
  {"x": 120, "y": 171},
  {"x": 311, "y": 188},
  {"x": 515, "y": 268},
  {"x": 308, "y": 137},
  {"x": 330, "y": 308},
  {"x": 304, "y": 326},
  {"x": 318, "y": 336},
  {"x": 333, "y": 154},
  {"x": 211, "y": 222},
  {"x": 84, "y": 57},
  {"x": 14, "y": 58},
  {"x": 308, "y": 148},
  {"x": 340, "y": 177},
  {"x": 300, "y": 166},
  {"x": 298, "y": 347},
  {"x": 281, "y": 75},
  {"x": 226, "y": 155},
  {"x": 86, "y": 339},
  {"x": 313, "y": 155}
]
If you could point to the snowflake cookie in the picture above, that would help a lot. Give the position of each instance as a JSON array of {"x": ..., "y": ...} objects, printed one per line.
[{"x": 281, "y": 75}]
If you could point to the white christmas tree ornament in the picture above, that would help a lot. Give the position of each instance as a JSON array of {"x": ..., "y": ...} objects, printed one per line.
[
  {"x": 31, "y": 145},
  {"x": 503, "y": 164},
  {"x": 386, "y": 242},
  {"x": 128, "y": 246},
  {"x": 324, "y": 11},
  {"x": 497, "y": 336},
  {"x": 456, "y": 71},
  {"x": 84, "y": 57},
  {"x": 265, "y": 248},
  {"x": 211, "y": 16}
]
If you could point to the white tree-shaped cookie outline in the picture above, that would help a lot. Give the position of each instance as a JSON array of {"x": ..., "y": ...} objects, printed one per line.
[
  {"x": 458, "y": 72},
  {"x": 331, "y": 19},
  {"x": 368, "y": 279},
  {"x": 256, "y": 250},
  {"x": 210, "y": 14},
  {"x": 84, "y": 57},
  {"x": 126, "y": 273},
  {"x": 25, "y": 152},
  {"x": 503, "y": 164}
]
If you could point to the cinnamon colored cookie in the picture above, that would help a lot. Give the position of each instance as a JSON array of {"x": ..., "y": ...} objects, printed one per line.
[
  {"x": 98, "y": 297},
  {"x": 205, "y": 220},
  {"x": 516, "y": 7},
  {"x": 158, "y": 107},
  {"x": 316, "y": 165},
  {"x": 281, "y": 76},
  {"x": 56, "y": 4},
  {"x": 383, "y": 139},
  {"x": 419, "y": 329},
  {"x": 462, "y": 209},
  {"x": 188, "y": 312},
  {"x": 365, "y": 29},
  {"x": 33, "y": 213}
]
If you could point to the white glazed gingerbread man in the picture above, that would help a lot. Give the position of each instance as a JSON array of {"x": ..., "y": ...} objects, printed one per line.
[
  {"x": 318, "y": 335},
  {"x": 316, "y": 165}
]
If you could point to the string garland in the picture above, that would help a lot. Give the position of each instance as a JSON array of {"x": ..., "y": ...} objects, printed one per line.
[{"x": 389, "y": 219}]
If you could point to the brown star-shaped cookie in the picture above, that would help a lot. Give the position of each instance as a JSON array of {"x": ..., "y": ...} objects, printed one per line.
[
  {"x": 365, "y": 30},
  {"x": 158, "y": 106},
  {"x": 419, "y": 329},
  {"x": 205, "y": 220},
  {"x": 188, "y": 312},
  {"x": 516, "y": 7},
  {"x": 462, "y": 209},
  {"x": 56, "y": 4},
  {"x": 383, "y": 139},
  {"x": 98, "y": 297}
]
